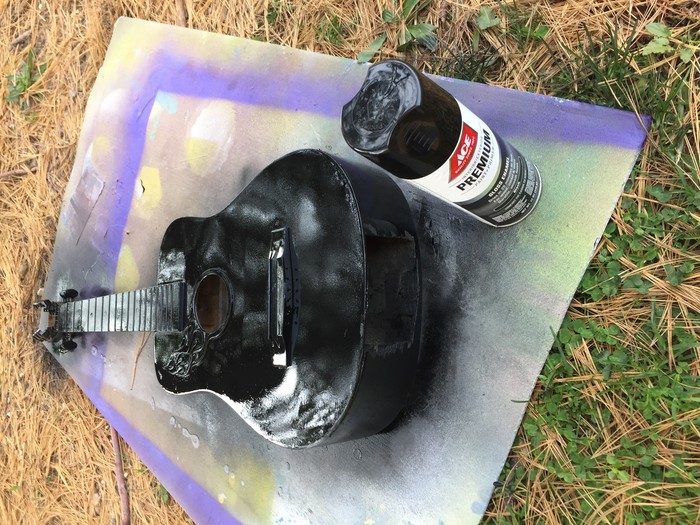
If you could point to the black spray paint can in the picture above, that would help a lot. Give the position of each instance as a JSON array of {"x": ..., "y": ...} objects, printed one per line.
[{"x": 416, "y": 130}]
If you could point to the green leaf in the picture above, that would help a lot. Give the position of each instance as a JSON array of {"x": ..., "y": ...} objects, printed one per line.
[
  {"x": 636, "y": 282},
  {"x": 644, "y": 474},
  {"x": 408, "y": 7},
  {"x": 372, "y": 49},
  {"x": 424, "y": 35},
  {"x": 476, "y": 39},
  {"x": 685, "y": 341},
  {"x": 657, "y": 46},
  {"x": 675, "y": 276},
  {"x": 487, "y": 18},
  {"x": 389, "y": 17},
  {"x": 540, "y": 32},
  {"x": 404, "y": 40},
  {"x": 659, "y": 193},
  {"x": 686, "y": 54},
  {"x": 164, "y": 495},
  {"x": 618, "y": 357},
  {"x": 658, "y": 29},
  {"x": 613, "y": 268},
  {"x": 678, "y": 462},
  {"x": 610, "y": 287},
  {"x": 596, "y": 294},
  {"x": 565, "y": 336},
  {"x": 646, "y": 461},
  {"x": 687, "y": 267}
]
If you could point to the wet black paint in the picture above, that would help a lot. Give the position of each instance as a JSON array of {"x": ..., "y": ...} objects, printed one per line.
[{"x": 358, "y": 317}]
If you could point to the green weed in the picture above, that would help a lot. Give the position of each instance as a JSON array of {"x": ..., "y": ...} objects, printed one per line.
[
  {"x": 475, "y": 64},
  {"x": 662, "y": 43},
  {"x": 523, "y": 26},
  {"x": 273, "y": 12},
  {"x": 162, "y": 494},
  {"x": 29, "y": 73},
  {"x": 331, "y": 30},
  {"x": 618, "y": 391},
  {"x": 486, "y": 20},
  {"x": 410, "y": 32}
]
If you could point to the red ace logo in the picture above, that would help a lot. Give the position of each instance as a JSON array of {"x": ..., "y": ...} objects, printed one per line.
[{"x": 464, "y": 152}]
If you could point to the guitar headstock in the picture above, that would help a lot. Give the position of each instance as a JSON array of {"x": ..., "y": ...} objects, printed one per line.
[{"x": 61, "y": 342}]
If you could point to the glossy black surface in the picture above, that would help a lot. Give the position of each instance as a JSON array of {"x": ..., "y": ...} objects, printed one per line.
[
  {"x": 355, "y": 346},
  {"x": 402, "y": 120}
]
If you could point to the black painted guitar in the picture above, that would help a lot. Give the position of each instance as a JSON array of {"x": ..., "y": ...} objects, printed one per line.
[{"x": 298, "y": 303}]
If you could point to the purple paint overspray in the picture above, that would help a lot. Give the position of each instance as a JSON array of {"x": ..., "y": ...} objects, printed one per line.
[
  {"x": 516, "y": 113},
  {"x": 180, "y": 76},
  {"x": 183, "y": 488},
  {"x": 596, "y": 128},
  {"x": 511, "y": 115}
]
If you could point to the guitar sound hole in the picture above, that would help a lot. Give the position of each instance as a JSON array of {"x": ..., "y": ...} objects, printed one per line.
[{"x": 212, "y": 303}]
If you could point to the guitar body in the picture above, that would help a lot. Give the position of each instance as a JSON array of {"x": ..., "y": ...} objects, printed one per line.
[
  {"x": 318, "y": 343},
  {"x": 298, "y": 304}
]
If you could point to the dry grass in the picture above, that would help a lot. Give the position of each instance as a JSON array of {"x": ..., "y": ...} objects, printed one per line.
[{"x": 56, "y": 457}]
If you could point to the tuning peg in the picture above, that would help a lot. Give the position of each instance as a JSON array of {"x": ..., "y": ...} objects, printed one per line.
[
  {"x": 44, "y": 304},
  {"x": 49, "y": 334},
  {"x": 69, "y": 294},
  {"x": 68, "y": 345}
]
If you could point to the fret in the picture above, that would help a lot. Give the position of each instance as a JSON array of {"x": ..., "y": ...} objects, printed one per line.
[
  {"x": 164, "y": 307},
  {"x": 132, "y": 312},
  {"x": 121, "y": 312},
  {"x": 94, "y": 314},
  {"x": 150, "y": 307},
  {"x": 143, "y": 313},
  {"x": 157, "y": 308},
  {"x": 89, "y": 314},
  {"x": 157, "y": 305},
  {"x": 143, "y": 321},
  {"x": 135, "y": 298},
  {"x": 111, "y": 321},
  {"x": 128, "y": 308},
  {"x": 102, "y": 314},
  {"x": 139, "y": 316},
  {"x": 85, "y": 309}
]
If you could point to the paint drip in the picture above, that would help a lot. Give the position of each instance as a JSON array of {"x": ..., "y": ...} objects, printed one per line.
[{"x": 410, "y": 126}]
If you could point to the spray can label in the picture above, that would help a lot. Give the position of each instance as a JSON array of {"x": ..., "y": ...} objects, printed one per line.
[{"x": 486, "y": 176}]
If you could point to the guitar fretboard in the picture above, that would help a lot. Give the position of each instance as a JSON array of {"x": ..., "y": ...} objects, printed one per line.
[{"x": 155, "y": 309}]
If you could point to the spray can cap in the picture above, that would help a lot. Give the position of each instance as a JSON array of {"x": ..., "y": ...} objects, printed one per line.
[{"x": 402, "y": 120}]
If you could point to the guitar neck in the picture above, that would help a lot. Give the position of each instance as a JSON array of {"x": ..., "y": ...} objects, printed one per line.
[{"x": 156, "y": 309}]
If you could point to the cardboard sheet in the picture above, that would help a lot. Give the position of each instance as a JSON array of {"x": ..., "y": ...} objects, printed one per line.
[{"x": 179, "y": 121}]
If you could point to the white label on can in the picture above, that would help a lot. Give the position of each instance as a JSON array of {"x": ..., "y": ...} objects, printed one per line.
[{"x": 472, "y": 169}]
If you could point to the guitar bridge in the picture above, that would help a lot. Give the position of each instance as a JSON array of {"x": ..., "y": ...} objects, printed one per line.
[{"x": 283, "y": 297}]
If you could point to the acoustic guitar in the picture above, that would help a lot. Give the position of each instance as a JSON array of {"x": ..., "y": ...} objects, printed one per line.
[{"x": 298, "y": 304}]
